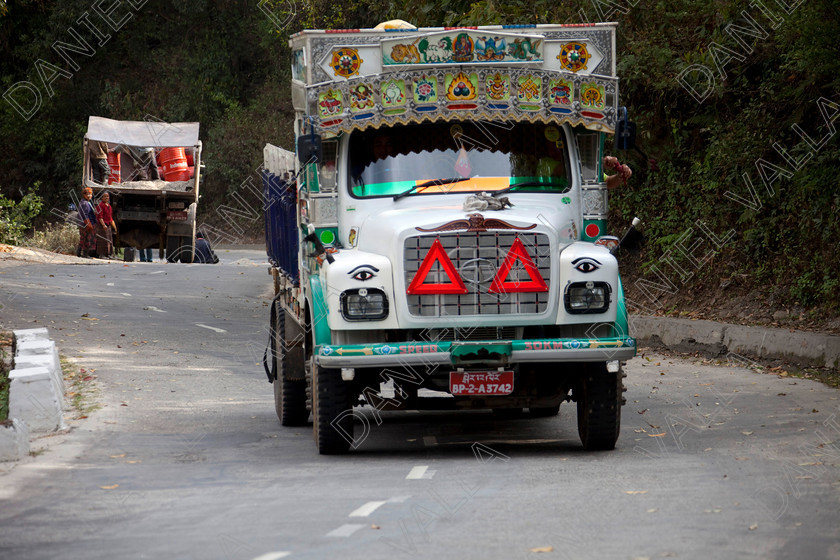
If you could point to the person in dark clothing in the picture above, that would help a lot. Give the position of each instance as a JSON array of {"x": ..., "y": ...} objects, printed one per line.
[
  {"x": 203, "y": 252},
  {"x": 87, "y": 219}
]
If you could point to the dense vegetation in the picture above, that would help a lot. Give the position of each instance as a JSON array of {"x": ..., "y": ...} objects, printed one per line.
[{"x": 721, "y": 91}]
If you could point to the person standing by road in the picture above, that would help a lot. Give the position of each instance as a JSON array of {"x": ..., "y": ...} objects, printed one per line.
[
  {"x": 87, "y": 217},
  {"x": 104, "y": 227}
]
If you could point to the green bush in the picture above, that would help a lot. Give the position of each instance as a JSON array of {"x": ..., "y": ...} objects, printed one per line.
[{"x": 16, "y": 217}]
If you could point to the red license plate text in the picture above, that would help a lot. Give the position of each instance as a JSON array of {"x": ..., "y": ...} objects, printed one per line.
[{"x": 481, "y": 382}]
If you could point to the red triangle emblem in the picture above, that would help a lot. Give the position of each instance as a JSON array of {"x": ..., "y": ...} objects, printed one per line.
[
  {"x": 500, "y": 283},
  {"x": 436, "y": 254}
]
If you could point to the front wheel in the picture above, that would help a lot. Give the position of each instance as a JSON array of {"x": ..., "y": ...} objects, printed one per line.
[
  {"x": 599, "y": 399},
  {"x": 332, "y": 411}
]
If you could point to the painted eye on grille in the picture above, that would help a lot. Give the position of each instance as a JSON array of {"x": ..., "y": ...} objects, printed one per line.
[
  {"x": 363, "y": 272},
  {"x": 586, "y": 264}
]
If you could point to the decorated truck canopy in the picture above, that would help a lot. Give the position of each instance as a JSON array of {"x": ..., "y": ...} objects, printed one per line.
[{"x": 357, "y": 79}]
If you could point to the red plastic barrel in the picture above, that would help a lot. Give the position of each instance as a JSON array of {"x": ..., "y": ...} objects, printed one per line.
[
  {"x": 114, "y": 165},
  {"x": 174, "y": 162},
  {"x": 190, "y": 160}
]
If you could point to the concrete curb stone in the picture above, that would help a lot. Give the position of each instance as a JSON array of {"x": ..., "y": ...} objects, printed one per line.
[
  {"x": 36, "y": 393},
  {"x": 721, "y": 339}
]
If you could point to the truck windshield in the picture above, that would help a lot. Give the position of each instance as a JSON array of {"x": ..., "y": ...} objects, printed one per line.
[{"x": 488, "y": 157}]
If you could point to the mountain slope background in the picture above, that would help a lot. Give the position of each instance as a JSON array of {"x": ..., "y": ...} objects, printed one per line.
[{"x": 736, "y": 105}]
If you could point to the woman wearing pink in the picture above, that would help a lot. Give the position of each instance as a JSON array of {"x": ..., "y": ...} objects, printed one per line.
[{"x": 105, "y": 223}]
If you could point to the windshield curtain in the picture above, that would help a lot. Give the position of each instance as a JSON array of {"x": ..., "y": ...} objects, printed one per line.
[{"x": 493, "y": 156}]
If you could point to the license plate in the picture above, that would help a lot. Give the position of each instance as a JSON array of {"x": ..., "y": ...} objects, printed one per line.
[
  {"x": 481, "y": 382},
  {"x": 177, "y": 215}
]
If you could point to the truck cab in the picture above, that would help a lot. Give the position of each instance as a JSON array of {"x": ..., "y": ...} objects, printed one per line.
[{"x": 440, "y": 229}]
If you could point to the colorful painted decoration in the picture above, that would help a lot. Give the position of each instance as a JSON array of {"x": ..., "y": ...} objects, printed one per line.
[
  {"x": 459, "y": 46},
  {"x": 592, "y": 96},
  {"x": 490, "y": 49},
  {"x": 461, "y": 87},
  {"x": 405, "y": 53},
  {"x": 330, "y": 103},
  {"x": 560, "y": 92},
  {"x": 346, "y": 62},
  {"x": 523, "y": 49},
  {"x": 574, "y": 56},
  {"x": 393, "y": 93},
  {"x": 498, "y": 87},
  {"x": 425, "y": 89},
  {"x": 462, "y": 48},
  {"x": 361, "y": 97},
  {"x": 437, "y": 52},
  {"x": 530, "y": 88}
]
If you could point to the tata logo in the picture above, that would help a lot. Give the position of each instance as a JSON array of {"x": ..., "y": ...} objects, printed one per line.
[{"x": 477, "y": 271}]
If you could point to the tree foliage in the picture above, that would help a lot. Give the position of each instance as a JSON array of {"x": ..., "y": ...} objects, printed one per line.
[{"x": 226, "y": 65}]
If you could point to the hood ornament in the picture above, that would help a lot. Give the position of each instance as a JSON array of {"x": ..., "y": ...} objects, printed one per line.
[{"x": 475, "y": 223}]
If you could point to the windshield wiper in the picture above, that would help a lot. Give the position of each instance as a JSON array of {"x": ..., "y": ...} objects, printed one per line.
[
  {"x": 428, "y": 184},
  {"x": 531, "y": 184}
]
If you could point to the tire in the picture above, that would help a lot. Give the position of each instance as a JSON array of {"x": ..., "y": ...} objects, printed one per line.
[
  {"x": 185, "y": 252},
  {"x": 289, "y": 394},
  {"x": 172, "y": 246},
  {"x": 331, "y": 407},
  {"x": 599, "y": 401},
  {"x": 544, "y": 412}
]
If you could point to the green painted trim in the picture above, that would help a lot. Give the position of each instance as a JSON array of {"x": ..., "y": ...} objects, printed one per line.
[
  {"x": 602, "y": 226},
  {"x": 621, "y": 327},
  {"x": 320, "y": 311},
  {"x": 404, "y": 348},
  {"x": 476, "y": 353}
]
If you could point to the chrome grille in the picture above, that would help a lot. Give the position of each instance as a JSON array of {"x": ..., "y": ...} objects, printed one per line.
[{"x": 477, "y": 257}]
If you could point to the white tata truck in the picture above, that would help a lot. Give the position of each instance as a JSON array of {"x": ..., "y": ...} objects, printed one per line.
[{"x": 437, "y": 239}]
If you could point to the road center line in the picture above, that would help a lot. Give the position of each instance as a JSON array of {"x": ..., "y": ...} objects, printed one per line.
[
  {"x": 272, "y": 556},
  {"x": 214, "y": 329},
  {"x": 366, "y": 509},
  {"x": 345, "y": 530},
  {"x": 419, "y": 472}
]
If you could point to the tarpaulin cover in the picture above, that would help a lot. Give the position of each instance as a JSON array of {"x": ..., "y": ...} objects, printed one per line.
[{"x": 152, "y": 134}]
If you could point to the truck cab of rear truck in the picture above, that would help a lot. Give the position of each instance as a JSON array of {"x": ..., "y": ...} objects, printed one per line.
[{"x": 439, "y": 232}]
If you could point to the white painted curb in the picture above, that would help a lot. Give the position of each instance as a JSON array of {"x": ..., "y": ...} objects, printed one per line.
[
  {"x": 36, "y": 388},
  {"x": 14, "y": 440}
]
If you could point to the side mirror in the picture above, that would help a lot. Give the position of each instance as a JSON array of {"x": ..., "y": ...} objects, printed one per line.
[
  {"x": 309, "y": 149},
  {"x": 625, "y": 135}
]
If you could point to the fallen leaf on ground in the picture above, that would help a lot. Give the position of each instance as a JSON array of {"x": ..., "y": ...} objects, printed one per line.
[
  {"x": 656, "y": 435},
  {"x": 634, "y": 492},
  {"x": 109, "y": 487},
  {"x": 375, "y": 527},
  {"x": 120, "y": 456},
  {"x": 753, "y": 527},
  {"x": 543, "y": 549}
]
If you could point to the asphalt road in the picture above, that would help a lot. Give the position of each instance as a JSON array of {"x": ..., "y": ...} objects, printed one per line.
[{"x": 186, "y": 459}]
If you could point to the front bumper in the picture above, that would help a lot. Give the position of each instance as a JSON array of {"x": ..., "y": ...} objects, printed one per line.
[{"x": 469, "y": 354}]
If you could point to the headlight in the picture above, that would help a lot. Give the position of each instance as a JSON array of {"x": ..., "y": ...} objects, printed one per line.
[
  {"x": 364, "y": 304},
  {"x": 587, "y": 297}
]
